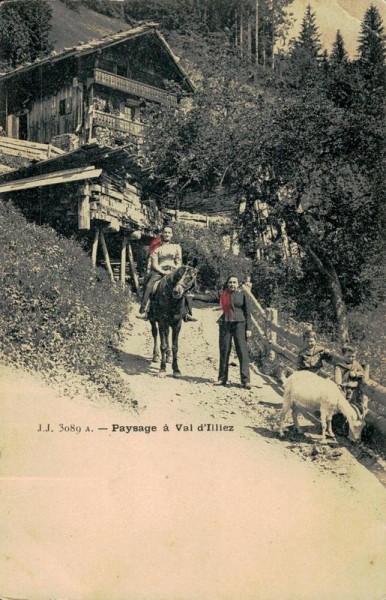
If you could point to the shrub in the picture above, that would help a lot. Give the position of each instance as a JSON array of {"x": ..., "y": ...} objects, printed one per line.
[
  {"x": 204, "y": 246},
  {"x": 55, "y": 310},
  {"x": 367, "y": 328}
]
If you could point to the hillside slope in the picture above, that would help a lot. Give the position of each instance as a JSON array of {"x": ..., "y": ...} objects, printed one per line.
[
  {"x": 71, "y": 27},
  {"x": 345, "y": 15}
]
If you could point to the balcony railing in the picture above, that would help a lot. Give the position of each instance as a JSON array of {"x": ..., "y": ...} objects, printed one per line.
[
  {"x": 142, "y": 90},
  {"x": 102, "y": 119}
]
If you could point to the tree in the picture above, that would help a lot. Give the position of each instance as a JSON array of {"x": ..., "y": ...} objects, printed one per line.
[
  {"x": 301, "y": 67},
  {"x": 338, "y": 51},
  {"x": 309, "y": 38},
  {"x": 14, "y": 37},
  {"x": 371, "y": 47},
  {"x": 24, "y": 30},
  {"x": 37, "y": 18},
  {"x": 371, "y": 60},
  {"x": 309, "y": 156},
  {"x": 340, "y": 76}
]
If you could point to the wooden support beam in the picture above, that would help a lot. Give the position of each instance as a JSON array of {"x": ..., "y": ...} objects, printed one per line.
[
  {"x": 132, "y": 267},
  {"x": 106, "y": 255},
  {"x": 58, "y": 177},
  {"x": 84, "y": 207},
  {"x": 123, "y": 260},
  {"x": 95, "y": 247}
]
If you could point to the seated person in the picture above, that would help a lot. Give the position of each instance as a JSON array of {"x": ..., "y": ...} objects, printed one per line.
[
  {"x": 164, "y": 257},
  {"x": 311, "y": 356},
  {"x": 349, "y": 375}
]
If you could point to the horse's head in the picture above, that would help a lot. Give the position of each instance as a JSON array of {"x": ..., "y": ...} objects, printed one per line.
[{"x": 184, "y": 279}]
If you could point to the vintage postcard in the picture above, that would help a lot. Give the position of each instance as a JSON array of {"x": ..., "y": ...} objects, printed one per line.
[{"x": 192, "y": 400}]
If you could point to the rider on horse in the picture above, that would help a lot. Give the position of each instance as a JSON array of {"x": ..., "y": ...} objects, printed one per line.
[{"x": 164, "y": 257}]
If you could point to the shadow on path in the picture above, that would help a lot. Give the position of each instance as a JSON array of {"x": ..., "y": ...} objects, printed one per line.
[
  {"x": 133, "y": 364},
  {"x": 270, "y": 404},
  {"x": 272, "y": 384},
  {"x": 290, "y": 435},
  {"x": 191, "y": 379}
]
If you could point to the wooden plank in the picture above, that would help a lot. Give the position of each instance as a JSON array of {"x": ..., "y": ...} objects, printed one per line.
[
  {"x": 288, "y": 335},
  {"x": 106, "y": 255},
  {"x": 56, "y": 178},
  {"x": 256, "y": 304},
  {"x": 36, "y": 155},
  {"x": 84, "y": 208},
  {"x": 136, "y": 188},
  {"x": 112, "y": 205},
  {"x": 271, "y": 334},
  {"x": 123, "y": 261},
  {"x": 109, "y": 191},
  {"x": 27, "y": 144},
  {"x": 132, "y": 267},
  {"x": 375, "y": 391},
  {"x": 23, "y": 148},
  {"x": 95, "y": 247},
  {"x": 259, "y": 329},
  {"x": 283, "y": 351}
]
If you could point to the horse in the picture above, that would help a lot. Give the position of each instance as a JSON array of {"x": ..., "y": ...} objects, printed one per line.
[
  {"x": 154, "y": 332},
  {"x": 166, "y": 311}
]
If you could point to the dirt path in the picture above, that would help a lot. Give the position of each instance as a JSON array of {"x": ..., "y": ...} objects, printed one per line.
[{"x": 181, "y": 514}]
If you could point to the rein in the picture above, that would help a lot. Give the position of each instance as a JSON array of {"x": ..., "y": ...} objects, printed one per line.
[{"x": 170, "y": 284}]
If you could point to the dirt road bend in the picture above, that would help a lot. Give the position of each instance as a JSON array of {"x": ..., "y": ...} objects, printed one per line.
[{"x": 193, "y": 498}]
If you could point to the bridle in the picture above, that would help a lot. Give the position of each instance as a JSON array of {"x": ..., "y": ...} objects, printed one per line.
[{"x": 182, "y": 281}]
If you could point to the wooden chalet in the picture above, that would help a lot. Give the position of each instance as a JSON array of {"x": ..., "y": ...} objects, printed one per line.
[
  {"x": 87, "y": 102},
  {"x": 99, "y": 85}
]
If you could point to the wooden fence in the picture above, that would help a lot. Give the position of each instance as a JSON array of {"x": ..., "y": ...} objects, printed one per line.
[
  {"x": 286, "y": 344},
  {"x": 27, "y": 149}
]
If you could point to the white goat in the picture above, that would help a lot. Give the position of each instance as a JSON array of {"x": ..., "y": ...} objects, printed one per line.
[{"x": 307, "y": 390}]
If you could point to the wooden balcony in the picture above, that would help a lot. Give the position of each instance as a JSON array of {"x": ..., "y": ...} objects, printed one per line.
[
  {"x": 102, "y": 119},
  {"x": 141, "y": 90}
]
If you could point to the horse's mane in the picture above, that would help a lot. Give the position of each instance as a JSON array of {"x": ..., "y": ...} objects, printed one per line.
[{"x": 171, "y": 278}]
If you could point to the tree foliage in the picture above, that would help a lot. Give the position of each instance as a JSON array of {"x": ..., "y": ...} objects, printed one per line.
[
  {"x": 307, "y": 142},
  {"x": 24, "y": 31}
]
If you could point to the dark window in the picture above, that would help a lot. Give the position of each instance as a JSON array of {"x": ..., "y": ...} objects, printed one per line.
[
  {"x": 23, "y": 127},
  {"x": 65, "y": 106}
]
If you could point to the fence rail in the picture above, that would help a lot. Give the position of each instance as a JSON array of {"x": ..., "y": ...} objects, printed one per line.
[{"x": 268, "y": 328}]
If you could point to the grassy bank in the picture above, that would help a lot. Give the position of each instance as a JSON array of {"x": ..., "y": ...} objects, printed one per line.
[{"x": 57, "y": 314}]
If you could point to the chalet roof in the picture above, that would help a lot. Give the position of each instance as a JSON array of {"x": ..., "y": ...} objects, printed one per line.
[
  {"x": 86, "y": 155},
  {"x": 97, "y": 44}
]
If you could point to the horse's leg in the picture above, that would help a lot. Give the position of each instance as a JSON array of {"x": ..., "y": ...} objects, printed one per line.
[
  {"x": 176, "y": 328},
  {"x": 168, "y": 349},
  {"x": 154, "y": 332},
  {"x": 163, "y": 332}
]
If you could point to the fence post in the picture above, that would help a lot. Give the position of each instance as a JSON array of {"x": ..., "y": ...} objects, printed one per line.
[
  {"x": 272, "y": 317},
  {"x": 365, "y": 399}
]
